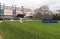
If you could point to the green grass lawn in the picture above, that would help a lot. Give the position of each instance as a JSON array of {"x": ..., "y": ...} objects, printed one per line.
[{"x": 29, "y": 30}]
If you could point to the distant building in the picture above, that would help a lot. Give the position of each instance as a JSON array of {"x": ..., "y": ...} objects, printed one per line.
[{"x": 10, "y": 12}]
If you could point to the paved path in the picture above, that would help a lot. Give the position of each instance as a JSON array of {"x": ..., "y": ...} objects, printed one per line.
[{"x": 1, "y": 37}]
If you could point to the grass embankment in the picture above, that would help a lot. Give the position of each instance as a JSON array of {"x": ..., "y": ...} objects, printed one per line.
[{"x": 29, "y": 30}]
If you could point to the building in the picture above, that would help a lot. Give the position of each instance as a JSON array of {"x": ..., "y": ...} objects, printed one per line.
[{"x": 10, "y": 12}]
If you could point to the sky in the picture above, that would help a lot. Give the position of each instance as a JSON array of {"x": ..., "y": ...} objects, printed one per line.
[{"x": 33, "y": 4}]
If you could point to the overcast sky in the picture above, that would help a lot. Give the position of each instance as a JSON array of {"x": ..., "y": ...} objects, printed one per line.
[{"x": 32, "y": 4}]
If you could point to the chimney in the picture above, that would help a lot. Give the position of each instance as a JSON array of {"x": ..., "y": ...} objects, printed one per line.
[
  {"x": 3, "y": 5},
  {"x": 12, "y": 7},
  {"x": 0, "y": 5},
  {"x": 23, "y": 9},
  {"x": 15, "y": 7}
]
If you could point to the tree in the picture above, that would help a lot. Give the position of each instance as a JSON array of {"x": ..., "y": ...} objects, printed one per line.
[
  {"x": 43, "y": 13},
  {"x": 57, "y": 15}
]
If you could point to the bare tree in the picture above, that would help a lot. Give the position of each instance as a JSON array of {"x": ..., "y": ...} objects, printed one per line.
[{"x": 43, "y": 13}]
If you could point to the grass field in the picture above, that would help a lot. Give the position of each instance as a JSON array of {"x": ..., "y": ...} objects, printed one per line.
[{"x": 29, "y": 30}]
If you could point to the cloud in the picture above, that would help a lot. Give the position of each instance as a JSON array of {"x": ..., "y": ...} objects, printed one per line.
[{"x": 53, "y": 4}]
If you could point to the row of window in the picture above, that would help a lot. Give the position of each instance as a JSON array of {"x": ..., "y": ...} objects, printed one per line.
[
  {"x": 9, "y": 8},
  {"x": 2, "y": 12}
]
